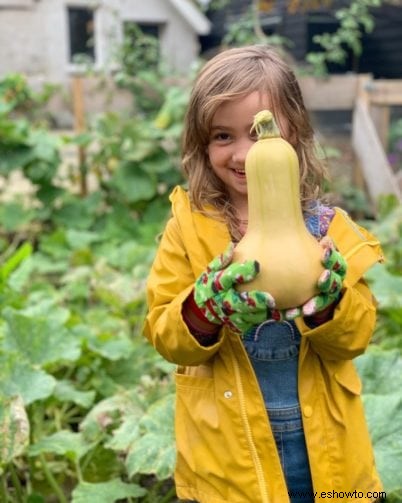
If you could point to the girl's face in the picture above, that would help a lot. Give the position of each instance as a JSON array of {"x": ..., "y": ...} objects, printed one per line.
[{"x": 230, "y": 140}]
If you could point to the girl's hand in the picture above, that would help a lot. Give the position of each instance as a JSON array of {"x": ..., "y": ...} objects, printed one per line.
[
  {"x": 330, "y": 282},
  {"x": 219, "y": 301}
]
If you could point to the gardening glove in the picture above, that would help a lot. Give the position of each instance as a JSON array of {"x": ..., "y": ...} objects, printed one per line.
[
  {"x": 330, "y": 282},
  {"x": 219, "y": 301}
]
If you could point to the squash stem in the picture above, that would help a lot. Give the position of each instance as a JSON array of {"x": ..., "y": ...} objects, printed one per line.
[{"x": 265, "y": 126}]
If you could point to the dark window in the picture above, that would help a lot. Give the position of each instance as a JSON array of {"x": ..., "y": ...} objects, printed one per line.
[
  {"x": 151, "y": 30},
  {"x": 81, "y": 30}
]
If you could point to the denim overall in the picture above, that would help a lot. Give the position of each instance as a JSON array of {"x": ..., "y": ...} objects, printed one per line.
[{"x": 273, "y": 349}]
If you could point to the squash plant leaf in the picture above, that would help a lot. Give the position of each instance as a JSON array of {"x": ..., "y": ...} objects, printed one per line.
[
  {"x": 125, "y": 434},
  {"x": 108, "y": 413},
  {"x": 386, "y": 287},
  {"x": 64, "y": 443},
  {"x": 159, "y": 162},
  {"x": 14, "y": 428},
  {"x": 40, "y": 339},
  {"x": 133, "y": 183},
  {"x": 20, "y": 378},
  {"x": 77, "y": 238},
  {"x": 15, "y": 159},
  {"x": 111, "y": 346},
  {"x": 384, "y": 415},
  {"x": 65, "y": 391},
  {"x": 14, "y": 217},
  {"x": 381, "y": 373},
  {"x": 106, "y": 492},
  {"x": 154, "y": 451}
]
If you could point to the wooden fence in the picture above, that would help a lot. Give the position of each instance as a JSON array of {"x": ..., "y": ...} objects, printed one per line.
[{"x": 371, "y": 101}]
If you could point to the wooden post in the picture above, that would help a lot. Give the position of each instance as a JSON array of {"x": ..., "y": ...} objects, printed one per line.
[
  {"x": 383, "y": 94},
  {"x": 369, "y": 149},
  {"x": 381, "y": 115},
  {"x": 362, "y": 83},
  {"x": 79, "y": 126}
]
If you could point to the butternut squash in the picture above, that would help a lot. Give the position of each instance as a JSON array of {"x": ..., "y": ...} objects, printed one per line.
[{"x": 276, "y": 236}]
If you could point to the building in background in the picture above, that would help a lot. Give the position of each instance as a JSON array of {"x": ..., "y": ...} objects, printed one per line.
[{"x": 47, "y": 38}]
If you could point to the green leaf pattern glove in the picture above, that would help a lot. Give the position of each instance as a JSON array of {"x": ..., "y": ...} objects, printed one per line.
[
  {"x": 221, "y": 303},
  {"x": 330, "y": 282}
]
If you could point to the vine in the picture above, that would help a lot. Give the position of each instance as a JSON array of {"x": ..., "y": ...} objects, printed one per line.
[{"x": 354, "y": 21}]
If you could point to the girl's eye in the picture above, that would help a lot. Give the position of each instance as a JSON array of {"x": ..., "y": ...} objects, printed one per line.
[{"x": 221, "y": 137}]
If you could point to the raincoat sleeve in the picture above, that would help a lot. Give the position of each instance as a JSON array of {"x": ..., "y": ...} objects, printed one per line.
[
  {"x": 348, "y": 333},
  {"x": 170, "y": 281}
]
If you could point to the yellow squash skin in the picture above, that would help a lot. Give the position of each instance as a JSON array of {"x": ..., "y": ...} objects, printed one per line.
[{"x": 289, "y": 256}]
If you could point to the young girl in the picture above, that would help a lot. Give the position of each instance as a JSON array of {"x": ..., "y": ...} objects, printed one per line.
[{"x": 268, "y": 407}]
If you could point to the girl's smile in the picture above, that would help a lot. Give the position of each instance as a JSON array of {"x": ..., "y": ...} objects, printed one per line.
[{"x": 230, "y": 140}]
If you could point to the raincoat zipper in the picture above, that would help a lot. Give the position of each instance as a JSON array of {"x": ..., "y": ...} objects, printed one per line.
[{"x": 249, "y": 436}]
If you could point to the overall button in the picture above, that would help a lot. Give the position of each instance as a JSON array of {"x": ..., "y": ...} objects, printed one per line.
[
  {"x": 228, "y": 394},
  {"x": 308, "y": 411}
]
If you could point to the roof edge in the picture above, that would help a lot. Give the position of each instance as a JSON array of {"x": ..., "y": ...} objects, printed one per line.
[{"x": 193, "y": 16}]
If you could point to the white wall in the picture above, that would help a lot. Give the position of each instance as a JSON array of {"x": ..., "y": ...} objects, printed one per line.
[
  {"x": 35, "y": 41},
  {"x": 22, "y": 48}
]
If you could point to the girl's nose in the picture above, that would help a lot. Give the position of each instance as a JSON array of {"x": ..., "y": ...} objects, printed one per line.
[{"x": 241, "y": 150}]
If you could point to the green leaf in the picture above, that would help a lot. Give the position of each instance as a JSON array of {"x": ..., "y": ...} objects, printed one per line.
[
  {"x": 64, "y": 442},
  {"x": 111, "y": 346},
  {"x": 82, "y": 140},
  {"x": 142, "y": 149},
  {"x": 76, "y": 212},
  {"x": 19, "y": 278},
  {"x": 9, "y": 265},
  {"x": 43, "y": 264},
  {"x": 386, "y": 287},
  {"x": 65, "y": 391},
  {"x": 116, "y": 289},
  {"x": 160, "y": 162},
  {"x": 147, "y": 361},
  {"x": 40, "y": 339},
  {"x": 133, "y": 183},
  {"x": 35, "y": 498},
  {"x": 120, "y": 223},
  {"x": 18, "y": 377},
  {"x": 77, "y": 283},
  {"x": 125, "y": 434},
  {"x": 13, "y": 216},
  {"x": 54, "y": 244},
  {"x": 106, "y": 492},
  {"x": 47, "y": 195},
  {"x": 77, "y": 239},
  {"x": 107, "y": 411},
  {"x": 381, "y": 373},
  {"x": 388, "y": 225},
  {"x": 154, "y": 452},
  {"x": 128, "y": 255},
  {"x": 46, "y": 146},
  {"x": 384, "y": 415},
  {"x": 15, "y": 159},
  {"x": 14, "y": 428}
]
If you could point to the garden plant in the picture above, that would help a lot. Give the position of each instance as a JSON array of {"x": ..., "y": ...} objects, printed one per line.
[{"x": 86, "y": 405}]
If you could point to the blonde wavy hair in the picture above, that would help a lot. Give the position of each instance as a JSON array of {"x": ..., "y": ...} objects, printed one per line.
[{"x": 229, "y": 75}]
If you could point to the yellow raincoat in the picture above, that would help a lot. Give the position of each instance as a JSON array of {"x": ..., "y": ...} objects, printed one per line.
[{"x": 226, "y": 452}]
